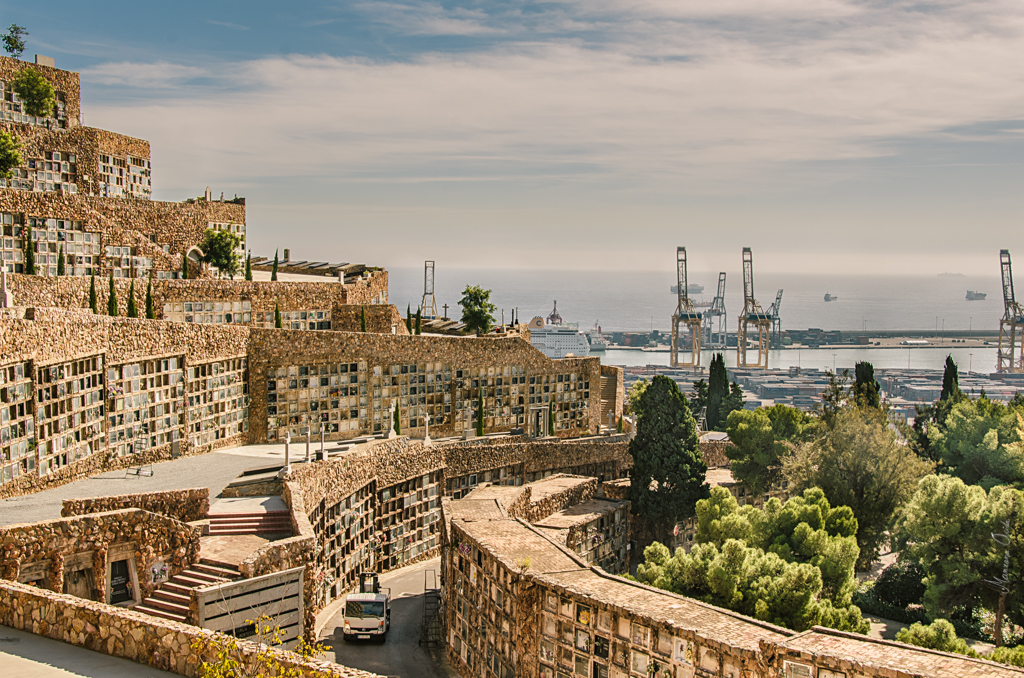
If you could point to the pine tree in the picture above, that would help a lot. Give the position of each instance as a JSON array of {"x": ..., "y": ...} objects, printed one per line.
[
  {"x": 398, "y": 418},
  {"x": 273, "y": 271},
  {"x": 362, "y": 318},
  {"x": 248, "y": 265},
  {"x": 133, "y": 312},
  {"x": 92, "y": 293},
  {"x": 277, "y": 316},
  {"x": 718, "y": 389},
  {"x": 419, "y": 320},
  {"x": 480, "y": 412},
  {"x": 150, "y": 308},
  {"x": 184, "y": 267},
  {"x": 668, "y": 470},
  {"x": 30, "y": 252},
  {"x": 112, "y": 297},
  {"x": 865, "y": 388},
  {"x": 60, "y": 261}
]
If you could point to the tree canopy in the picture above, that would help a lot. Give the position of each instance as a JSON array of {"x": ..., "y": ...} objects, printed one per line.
[
  {"x": 718, "y": 389},
  {"x": 220, "y": 249},
  {"x": 477, "y": 309},
  {"x": 791, "y": 564},
  {"x": 10, "y": 154},
  {"x": 668, "y": 470},
  {"x": 36, "y": 93},
  {"x": 755, "y": 453},
  {"x": 980, "y": 443},
  {"x": 865, "y": 388},
  {"x": 861, "y": 462},
  {"x": 14, "y": 40}
]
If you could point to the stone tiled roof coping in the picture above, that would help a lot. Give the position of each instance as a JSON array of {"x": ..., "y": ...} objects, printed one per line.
[
  {"x": 555, "y": 484},
  {"x": 893, "y": 656},
  {"x": 511, "y": 542},
  {"x": 84, "y": 518},
  {"x": 584, "y": 512},
  {"x": 720, "y": 476},
  {"x": 472, "y": 510}
]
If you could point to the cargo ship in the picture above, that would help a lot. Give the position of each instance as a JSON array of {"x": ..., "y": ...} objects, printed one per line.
[
  {"x": 975, "y": 296},
  {"x": 692, "y": 288}
]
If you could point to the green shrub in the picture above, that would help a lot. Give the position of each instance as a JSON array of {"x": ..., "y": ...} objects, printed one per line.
[
  {"x": 901, "y": 584},
  {"x": 939, "y": 635},
  {"x": 1009, "y": 655}
]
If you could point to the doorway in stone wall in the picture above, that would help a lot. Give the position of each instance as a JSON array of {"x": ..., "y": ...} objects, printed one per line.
[{"x": 80, "y": 583}]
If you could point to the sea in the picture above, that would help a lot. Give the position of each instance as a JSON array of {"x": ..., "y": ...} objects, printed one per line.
[{"x": 641, "y": 301}]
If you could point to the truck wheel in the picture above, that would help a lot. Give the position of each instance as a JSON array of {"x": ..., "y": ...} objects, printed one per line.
[
  {"x": 346, "y": 637},
  {"x": 384, "y": 637}
]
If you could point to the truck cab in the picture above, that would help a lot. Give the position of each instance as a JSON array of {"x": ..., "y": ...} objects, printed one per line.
[{"x": 368, "y": 612}]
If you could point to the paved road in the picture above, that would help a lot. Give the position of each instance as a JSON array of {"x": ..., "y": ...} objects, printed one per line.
[
  {"x": 214, "y": 470},
  {"x": 29, "y": 656},
  {"x": 401, "y": 654}
]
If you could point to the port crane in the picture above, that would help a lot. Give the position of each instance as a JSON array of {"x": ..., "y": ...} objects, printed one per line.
[
  {"x": 1012, "y": 322},
  {"x": 752, "y": 315},
  {"x": 776, "y": 333},
  {"x": 686, "y": 316},
  {"x": 713, "y": 329},
  {"x": 429, "y": 305}
]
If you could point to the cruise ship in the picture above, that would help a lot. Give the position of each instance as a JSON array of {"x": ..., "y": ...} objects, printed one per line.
[{"x": 557, "y": 339}]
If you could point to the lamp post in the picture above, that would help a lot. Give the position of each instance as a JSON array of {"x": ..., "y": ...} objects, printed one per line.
[{"x": 970, "y": 362}]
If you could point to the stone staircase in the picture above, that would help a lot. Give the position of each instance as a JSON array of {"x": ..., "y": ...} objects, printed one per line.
[
  {"x": 170, "y": 600},
  {"x": 264, "y": 522},
  {"x": 608, "y": 385}
]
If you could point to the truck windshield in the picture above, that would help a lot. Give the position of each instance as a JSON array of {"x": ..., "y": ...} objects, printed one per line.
[{"x": 360, "y": 609}]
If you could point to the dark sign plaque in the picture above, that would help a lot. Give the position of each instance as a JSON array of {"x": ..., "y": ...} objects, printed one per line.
[{"x": 120, "y": 583}]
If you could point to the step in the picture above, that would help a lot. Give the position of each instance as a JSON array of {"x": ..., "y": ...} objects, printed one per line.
[
  {"x": 204, "y": 576},
  {"x": 166, "y": 606},
  {"x": 171, "y": 596},
  {"x": 213, "y": 562},
  {"x": 175, "y": 588},
  {"x": 216, "y": 570},
  {"x": 194, "y": 582},
  {"x": 259, "y": 514},
  {"x": 251, "y": 521},
  {"x": 155, "y": 612}
]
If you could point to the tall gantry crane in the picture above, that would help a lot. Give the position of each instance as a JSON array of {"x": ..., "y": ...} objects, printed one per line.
[
  {"x": 428, "y": 307},
  {"x": 685, "y": 315},
  {"x": 754, "y": 315},
  {"x": 776, "y": 333},
  {"x": 713, "y": 329},
  {"x": 1011, "y": 323}
]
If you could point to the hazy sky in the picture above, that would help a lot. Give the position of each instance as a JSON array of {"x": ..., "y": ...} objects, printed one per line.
[{"x": 829, "y": 135}]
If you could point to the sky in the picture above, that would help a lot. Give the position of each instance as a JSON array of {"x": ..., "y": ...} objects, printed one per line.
[{"x": 828, "y": 135}]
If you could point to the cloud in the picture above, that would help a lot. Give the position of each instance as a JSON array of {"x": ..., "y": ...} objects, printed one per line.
[
  {"x": 428, "y": 18},
  {"x": 228, "y": 24},
  {"x": 681, "y": 101}
]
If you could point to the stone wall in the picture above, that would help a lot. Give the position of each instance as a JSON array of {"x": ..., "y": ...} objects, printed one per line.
[
  {"x": 138, "y": 637},
  {"x": 147, "y": 537},
  {"x": 145, "y": 224},
  {"x": 73, "y": 292},
  {"x": 543, "y": 507},
  {"x": 65, "y": 82},
  {"x": 183, "y": 505},
  {"x": 713, "y": 452}
]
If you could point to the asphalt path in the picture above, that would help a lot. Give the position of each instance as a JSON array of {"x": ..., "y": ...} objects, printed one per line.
[{"x": 401, "y": 654}]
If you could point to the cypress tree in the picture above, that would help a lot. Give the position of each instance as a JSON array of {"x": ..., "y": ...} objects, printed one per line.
[
  {"x": 112, "y": 297},
  {"x": 133, "y": 312},
  {"x": 551, "y": 418},
  {"x": 398, "y": 418},
  {"x": 950, "y": 381},
  {"x": 92, "y": 292},
  {"x": 408, "y": 318},
  {"x": 184, "y": 267},
  {"x": 865, "y": 388},
  {"x": 718, "y": 389},
  {"x": 273, "y": 272},
  {"x": 277, "y": 316},
  {"x": 150, "y": 308},
  {"x": 362, "y": 318},
  {"x": 668, "y": 471},
  {"x": 480, "y": 412},
  {"x": 419, "y": 320},
  {"x": 248, "y": 265},
  {"x": 60, "y": 261},
  {"x": 30, "y": 252},
  {"x": 618, "y": 427}
]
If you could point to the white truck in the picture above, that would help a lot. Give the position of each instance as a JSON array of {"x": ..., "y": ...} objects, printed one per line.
[{"x": 368, "y": 612}]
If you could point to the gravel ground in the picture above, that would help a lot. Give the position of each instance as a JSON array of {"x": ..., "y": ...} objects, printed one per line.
[{"x": 214, "y": 470}]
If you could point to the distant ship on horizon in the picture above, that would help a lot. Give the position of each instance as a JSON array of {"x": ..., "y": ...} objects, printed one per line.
[
  {"x": 830, "y": 297},
  {"x": 947, "y": 274},
  {"x": 976, "y": 296},
  {"x": 691, "y": 288}
]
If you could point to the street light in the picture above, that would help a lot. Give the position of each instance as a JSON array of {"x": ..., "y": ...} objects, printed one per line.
[{"x": 970, "y": 363}]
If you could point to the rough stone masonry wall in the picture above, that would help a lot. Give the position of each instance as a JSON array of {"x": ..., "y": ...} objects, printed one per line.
[
  {"x": 138, "y": 637},
  {"x": 272, "y": 349},
  {"x": 148, "y": 224},
  {"x": 183, "y": 505},
  {"x": 577, "y": 494},
  {"x": 66, "y": 82},
  {"x": 73, "y": 292},
  {"x": 153, "y": 536}
]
